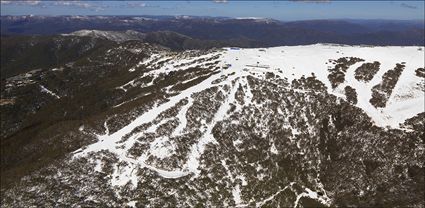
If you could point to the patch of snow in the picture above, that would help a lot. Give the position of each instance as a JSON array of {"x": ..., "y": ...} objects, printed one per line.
[
  {"x": 312, "y": 195},
  {"x": 182, "y": 118},
  {"x": 273, "y": 149},
  {"x": 162, "y": 148},
  {"x": 44, "y": 89},
  {"x": 131, "y": 203},
  {"x": 57, "y": 69},
  {"x": 236, "y": 193},
  {"x": 98, "y": 167}
]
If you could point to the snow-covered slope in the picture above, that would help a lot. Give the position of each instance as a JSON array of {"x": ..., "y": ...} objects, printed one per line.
[
  {"x": 119, "y": 36},
  {"x": 406, "y": 100},
  {"x": 284, "y": 126}
]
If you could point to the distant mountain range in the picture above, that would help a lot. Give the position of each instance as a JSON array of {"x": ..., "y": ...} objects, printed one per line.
[{"x": 243, "y": 32}]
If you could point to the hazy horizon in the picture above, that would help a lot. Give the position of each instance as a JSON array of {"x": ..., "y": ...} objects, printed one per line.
[
  {"x": 279, "y": 10},
  {"x": 200, "y": 16}
]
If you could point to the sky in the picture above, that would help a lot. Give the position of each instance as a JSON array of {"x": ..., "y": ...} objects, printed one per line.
[{"x": 280, "y": 10}]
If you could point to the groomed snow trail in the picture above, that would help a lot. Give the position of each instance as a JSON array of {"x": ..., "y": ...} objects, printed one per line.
[{"x": 292, "y": 62}]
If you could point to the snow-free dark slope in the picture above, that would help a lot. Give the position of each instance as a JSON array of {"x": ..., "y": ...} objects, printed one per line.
[{"x": 267, "y": 127}]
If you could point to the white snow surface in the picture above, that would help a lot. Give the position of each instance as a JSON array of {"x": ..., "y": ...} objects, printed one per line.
[
  {"x": 118, "y": 36},
  {"x": 294, "y": 62},
  {"x": 44, "y": 89}
]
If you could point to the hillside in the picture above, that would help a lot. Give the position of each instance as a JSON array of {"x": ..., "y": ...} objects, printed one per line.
[{"x": 135, "y": 124}]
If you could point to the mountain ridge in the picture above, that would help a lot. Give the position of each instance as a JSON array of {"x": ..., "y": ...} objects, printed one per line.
[
  {"x": 266, "y": 33},
  {"x": 136, "y": 124}
]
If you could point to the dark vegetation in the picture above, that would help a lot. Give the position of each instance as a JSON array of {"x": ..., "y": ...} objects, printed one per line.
[
  {"x": 382, "y": 91},
  {"x": 351, "y": 95},
  {"x": 337, "y": 73},
  {"x": 180, "y": 42},
  {"x": 37, "y": 128},
  {"x": 20, "y": 54},
  {"x": 366, "y": 71},
  {"x": 417, "y": 124},
  {"x": 420, "y": 72}
]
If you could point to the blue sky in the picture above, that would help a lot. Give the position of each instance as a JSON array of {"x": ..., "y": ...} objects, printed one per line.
[{"x": 281, "y": 10}]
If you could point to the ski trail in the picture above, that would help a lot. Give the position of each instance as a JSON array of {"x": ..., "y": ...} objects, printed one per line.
[
  {"x": 125, "y": 170},
  {"x": 108, "y": 141},
  {"x": 182, "y": 118},
  {"x": 198, "y": 149}
]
